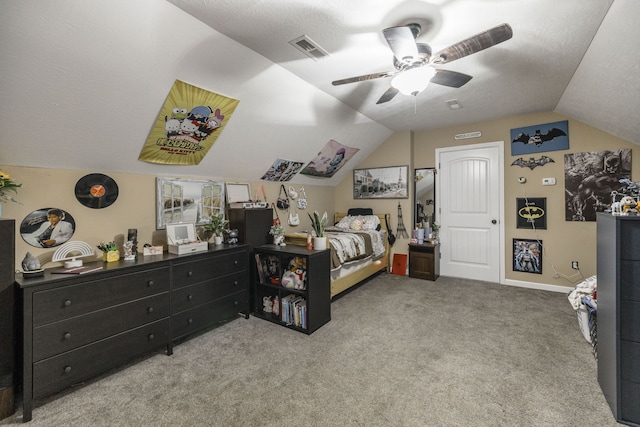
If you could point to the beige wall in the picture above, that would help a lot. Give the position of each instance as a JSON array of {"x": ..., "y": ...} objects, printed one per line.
[
  {"x": 396, "y": 151},
  {"x": 563, "y": 241},
  {"x": 134, "y": 208}
]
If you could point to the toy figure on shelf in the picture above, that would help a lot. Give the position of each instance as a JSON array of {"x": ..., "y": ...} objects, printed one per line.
[{"x": 267, "y": 304}]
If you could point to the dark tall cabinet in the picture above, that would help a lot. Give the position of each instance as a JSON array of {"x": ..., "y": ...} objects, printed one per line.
[
  {"x": 253, "y": 225},
  {"x": 7, "y": 317},
  {"x": 619, "y": 315}
]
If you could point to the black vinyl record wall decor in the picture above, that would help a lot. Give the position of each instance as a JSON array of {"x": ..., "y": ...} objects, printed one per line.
[{"x": 96, "y": 191}]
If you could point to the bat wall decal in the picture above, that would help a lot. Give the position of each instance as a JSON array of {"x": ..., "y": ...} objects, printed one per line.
[
  {"x": 532, "y": 163},
  {"x": 539, "y": 138}
]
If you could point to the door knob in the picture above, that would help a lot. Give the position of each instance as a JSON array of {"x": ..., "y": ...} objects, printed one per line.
[{"x": 493, "y": 221}]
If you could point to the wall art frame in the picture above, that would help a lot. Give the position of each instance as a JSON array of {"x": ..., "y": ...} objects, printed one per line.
[
  {"x": 389, "y": 182},
  {"x": 531, "y": 213},
  {"x": 527, "y": 255},
  {"x": 188, "y": 200}
]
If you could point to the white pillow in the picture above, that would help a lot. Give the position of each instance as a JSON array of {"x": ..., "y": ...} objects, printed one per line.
[
  {"x": 345, "y": 222},
  {"x": 371, "y": 222}
]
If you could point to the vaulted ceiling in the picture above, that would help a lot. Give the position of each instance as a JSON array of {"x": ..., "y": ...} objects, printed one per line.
[
  {"x": 82, "y": 82},
  {"x": 579, "y": 58}
]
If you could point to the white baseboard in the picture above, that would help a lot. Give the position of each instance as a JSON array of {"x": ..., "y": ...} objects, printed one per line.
[{"x": 539, "y": 286}]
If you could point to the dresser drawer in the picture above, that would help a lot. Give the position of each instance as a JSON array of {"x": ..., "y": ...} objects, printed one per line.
[
  {"x": 630, "y": 361},
  {"x": 630, "y": 320},
  {"x": 74, "y": 366},
  {"x": 630, "y": 405},
  {"x": 629, "y": 284},
  {"x": 210, "y": 314},
  {"x": 58, "y": 337},
  {"x": 194, "y": 272},
  {"x": 73, "y": 300},
  {"x": 191, "y": 296}
]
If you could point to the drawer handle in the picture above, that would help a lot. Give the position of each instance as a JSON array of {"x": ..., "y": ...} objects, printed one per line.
[
  {"x": 235, "y": 262},
  {"x": 190, "y": 321},
  {"x": 189, "y": 297},
  {"x": 67, "y": 369},
  {"x": 235, "y": 303},
  {"x": 67, "y": 335},
  {"x": 67, "y": 303},
  {"x": 189, "y": 274},
  {"x": 151, "y": 337},
  {"x": 150, "y": 283},
  {"x": 235, "y": 283},
  {"x": 150, "y": 310}
]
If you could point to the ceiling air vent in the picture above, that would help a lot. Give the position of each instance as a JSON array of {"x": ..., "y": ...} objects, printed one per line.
[{"x": 307, "y": 46}]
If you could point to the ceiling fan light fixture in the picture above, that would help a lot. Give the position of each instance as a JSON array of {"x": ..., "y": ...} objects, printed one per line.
[{"x": 414, "y": 80}]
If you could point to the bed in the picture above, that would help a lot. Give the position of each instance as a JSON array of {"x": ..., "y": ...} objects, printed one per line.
[{"x": 354, "y": 256}]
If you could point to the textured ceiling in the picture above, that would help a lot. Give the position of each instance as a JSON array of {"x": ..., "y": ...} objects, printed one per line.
[
  {"x": 571, "y": 45},
  {"x": 82, "y": 82}
]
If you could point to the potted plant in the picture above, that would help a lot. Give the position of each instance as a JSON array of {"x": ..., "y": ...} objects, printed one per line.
[
  {"x": 318, "y": 224},
  {"x": 217, "y": 224},
  {"x": 277, "y": 231}
]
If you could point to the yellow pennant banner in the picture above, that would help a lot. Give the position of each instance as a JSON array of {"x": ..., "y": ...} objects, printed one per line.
[{"x": 187, "y": 126}]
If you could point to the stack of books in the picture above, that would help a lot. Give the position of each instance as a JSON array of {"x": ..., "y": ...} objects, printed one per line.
[{"x": 294, "y": 311}]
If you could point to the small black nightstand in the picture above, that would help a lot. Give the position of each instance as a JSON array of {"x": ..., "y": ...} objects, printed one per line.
[{"x": 424, "y": 261}]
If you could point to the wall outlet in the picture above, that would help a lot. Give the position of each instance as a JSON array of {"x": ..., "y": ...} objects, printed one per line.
[
  {"x": 574, "y": 265},
  {"x": 548, "y": 181}
]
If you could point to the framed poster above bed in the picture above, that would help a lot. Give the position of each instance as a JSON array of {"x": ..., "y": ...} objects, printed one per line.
[{"x": 381, "y": 183}]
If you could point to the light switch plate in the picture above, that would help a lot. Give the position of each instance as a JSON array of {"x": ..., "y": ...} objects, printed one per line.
[{"x": 548, "y": 181}]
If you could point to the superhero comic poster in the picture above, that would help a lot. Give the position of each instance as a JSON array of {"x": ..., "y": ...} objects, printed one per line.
[
  {"x": 527, "y": 256},
  {"x": 591, "y": 178},
  {"x": 188, "y": 124},
  {"x": 540, "y": 138}
]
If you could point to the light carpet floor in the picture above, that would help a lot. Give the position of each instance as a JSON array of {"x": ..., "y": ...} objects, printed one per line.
[{"x": 397, "y": 352}]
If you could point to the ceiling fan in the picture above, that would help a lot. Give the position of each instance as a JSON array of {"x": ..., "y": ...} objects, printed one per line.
[{"x": 414, "y": 62}]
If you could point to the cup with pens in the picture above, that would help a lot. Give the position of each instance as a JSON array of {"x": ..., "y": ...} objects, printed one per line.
[{"x": 110, "y": 252}]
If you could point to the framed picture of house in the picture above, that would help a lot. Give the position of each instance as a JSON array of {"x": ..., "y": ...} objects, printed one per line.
[
  {"x": 381, "y": 183},
  {"x": 527, "y": 256},
  {"x": 187, "y": 200}
]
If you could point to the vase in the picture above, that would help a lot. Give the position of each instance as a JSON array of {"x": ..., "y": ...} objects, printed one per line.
[
  {"x": 420, "y": 235},
  {"x": 319, "y": 243},
  {"x": 217, "y": 240}
]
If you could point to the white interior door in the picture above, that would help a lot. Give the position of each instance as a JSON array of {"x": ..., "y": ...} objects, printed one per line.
[{"x": 470, "y": 194}]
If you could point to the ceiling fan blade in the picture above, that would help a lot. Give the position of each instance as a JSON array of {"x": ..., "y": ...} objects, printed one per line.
[
  {"x": 473, "y": 44},
  {"x": 450, "y": 78},
  {"x": 388, "y": 95},
  {"x": 402, "y": 43},
  {"x": 364, "y": 78}
]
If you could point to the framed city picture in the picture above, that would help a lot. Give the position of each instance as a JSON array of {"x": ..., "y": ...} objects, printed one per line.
[
  {"x": 381, "y": 183},
  {"x": 527, "y": 256},
  {"x": 187, "y": 200},
  {"x": 531, "y": 213}
]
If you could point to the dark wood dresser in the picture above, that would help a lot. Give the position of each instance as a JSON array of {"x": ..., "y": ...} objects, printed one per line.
[
  {"x": 7, "y": 318},
  {"x": 618, "y": 320},
  {"x": 78, "y": 326}
]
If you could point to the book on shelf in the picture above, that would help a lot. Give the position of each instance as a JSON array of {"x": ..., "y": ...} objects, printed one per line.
[
  {"x": 259, "y": 268},
  {"x": 294, "y": 310},
  {"x": 78, "y": 270}
]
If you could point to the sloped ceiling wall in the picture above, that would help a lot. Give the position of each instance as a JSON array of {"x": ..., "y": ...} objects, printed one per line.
[
  {"x": 83, "y": 82},
  {"x": 605, "y": 89}
]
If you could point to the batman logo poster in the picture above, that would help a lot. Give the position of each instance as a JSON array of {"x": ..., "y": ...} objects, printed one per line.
[{"x": 531, "y": 213}]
